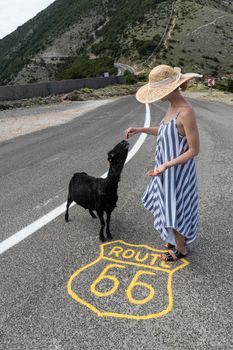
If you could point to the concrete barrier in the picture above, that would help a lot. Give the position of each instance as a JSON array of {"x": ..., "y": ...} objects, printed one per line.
[{"x": 19, "y": 92}]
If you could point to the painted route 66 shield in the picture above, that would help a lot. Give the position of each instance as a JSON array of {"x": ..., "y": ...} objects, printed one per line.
[{"x": 126, "y": 281}]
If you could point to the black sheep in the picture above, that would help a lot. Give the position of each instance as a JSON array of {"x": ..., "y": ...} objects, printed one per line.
[{"x": 97, "y": 193}]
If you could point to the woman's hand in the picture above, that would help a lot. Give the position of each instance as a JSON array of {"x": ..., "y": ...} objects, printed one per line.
[
  {"x": 157, "y": 171},
  {"x": 130, "y": 132}
]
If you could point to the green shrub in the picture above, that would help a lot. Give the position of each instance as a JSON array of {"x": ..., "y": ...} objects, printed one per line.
[
  {"x": 86, "y": 90},
  {"x": 130, "y": 78},
  {"x": 221, "y": 85},
  {"x": 146, "y": 47},
  {"x": 207, "y": 57},
  {"x": 142, "y": 76},
  {"x": 84, "y": 67},
  {"x": 230, "y": 85},
  {"x": 109, "y": 46}
]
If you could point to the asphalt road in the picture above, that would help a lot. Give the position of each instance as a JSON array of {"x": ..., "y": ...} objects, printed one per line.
[{"x": 57, "y": 292}]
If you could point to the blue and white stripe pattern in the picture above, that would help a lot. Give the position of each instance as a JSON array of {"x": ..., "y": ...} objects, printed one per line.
[{"x": 172, "y": 197}]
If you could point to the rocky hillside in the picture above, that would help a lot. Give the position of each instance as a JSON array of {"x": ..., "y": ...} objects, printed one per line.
[{"x": 74, "y": 38}]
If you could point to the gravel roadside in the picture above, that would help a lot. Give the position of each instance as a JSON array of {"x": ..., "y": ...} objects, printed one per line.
[
  {"x": 217, "y": 96},
  {"x": 21, "y": 121}
]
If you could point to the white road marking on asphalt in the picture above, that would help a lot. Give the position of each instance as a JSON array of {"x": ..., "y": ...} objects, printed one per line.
[{"x": 44, "y": 220}]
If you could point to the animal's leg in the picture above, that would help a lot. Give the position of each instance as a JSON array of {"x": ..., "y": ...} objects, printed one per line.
[
  {"x": 69, "y": 201},
  {"x": 92, "y": 214},
  {"x": 100, "y": 214},
  {"x": 108, "y": 227}
]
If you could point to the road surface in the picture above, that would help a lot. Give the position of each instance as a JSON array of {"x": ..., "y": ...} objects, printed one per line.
[{"x": 61, "y": 289}]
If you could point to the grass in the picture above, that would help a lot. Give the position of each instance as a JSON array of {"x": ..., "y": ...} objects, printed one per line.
[{"x": 199, "y": 87}]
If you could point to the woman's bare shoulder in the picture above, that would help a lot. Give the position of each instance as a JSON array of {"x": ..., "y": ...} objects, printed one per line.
[
  {"x": 187, "y": 110},
  {"x": 187, "y": 115}
]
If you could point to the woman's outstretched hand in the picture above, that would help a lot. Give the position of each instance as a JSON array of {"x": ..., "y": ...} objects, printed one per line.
[
  {"x": 130, "y": 132},
  {"x": 157, "y": 171}
]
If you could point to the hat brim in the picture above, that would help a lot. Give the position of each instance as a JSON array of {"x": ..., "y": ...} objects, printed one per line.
[{"x": 148, "y": 94}]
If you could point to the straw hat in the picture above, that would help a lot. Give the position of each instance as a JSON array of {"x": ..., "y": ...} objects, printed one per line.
[{"x": 163, "y": 80}]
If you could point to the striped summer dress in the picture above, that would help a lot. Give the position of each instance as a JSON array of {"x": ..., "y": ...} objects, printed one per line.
[{"x": 172, "y": 197}]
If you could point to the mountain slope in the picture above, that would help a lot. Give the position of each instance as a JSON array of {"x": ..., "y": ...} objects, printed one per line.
[
  {"x": 195, "y": 35},
  {"x": 201, "y": 39}
]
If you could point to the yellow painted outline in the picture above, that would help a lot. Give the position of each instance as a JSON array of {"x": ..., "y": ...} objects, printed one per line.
[{"x": 117, "y": 315}]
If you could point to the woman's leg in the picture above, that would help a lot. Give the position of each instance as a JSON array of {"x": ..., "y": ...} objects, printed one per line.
[
  {"x": 179, "y": 251},
  {"x": 180, "y": 242}
]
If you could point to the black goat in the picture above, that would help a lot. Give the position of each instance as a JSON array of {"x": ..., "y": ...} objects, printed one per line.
[{"x": 96, "y": 193}]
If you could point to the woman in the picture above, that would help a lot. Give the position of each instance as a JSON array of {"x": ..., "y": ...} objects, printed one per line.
[{"x": 171, "y": 195}]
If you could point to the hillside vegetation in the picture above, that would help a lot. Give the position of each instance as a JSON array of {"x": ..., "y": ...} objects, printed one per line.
[{"x": 194, "y": 35}]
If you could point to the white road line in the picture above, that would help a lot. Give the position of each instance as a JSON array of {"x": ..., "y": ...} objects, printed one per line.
[{"x": 44, "y": 220}]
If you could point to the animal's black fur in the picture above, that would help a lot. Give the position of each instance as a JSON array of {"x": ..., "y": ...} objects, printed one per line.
[{"x": 97, "y": 194}]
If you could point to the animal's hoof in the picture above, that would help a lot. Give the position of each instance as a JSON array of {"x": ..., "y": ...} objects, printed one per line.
[
  {"x": 102, "y": 239},
  {"x": 109, "y": 236},
  {"x": 66, "y": 218}
]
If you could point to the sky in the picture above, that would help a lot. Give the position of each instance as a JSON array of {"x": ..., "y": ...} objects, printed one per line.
[{"x": 14, "y": 13}]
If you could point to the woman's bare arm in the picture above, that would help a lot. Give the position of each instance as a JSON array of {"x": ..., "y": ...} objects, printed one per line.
[
  {"x": 150, "y": 131},
  {"x": 133, "y": 131}
]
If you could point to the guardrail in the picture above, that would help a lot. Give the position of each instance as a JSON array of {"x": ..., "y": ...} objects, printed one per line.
[{"x": 19, "y": 92}]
